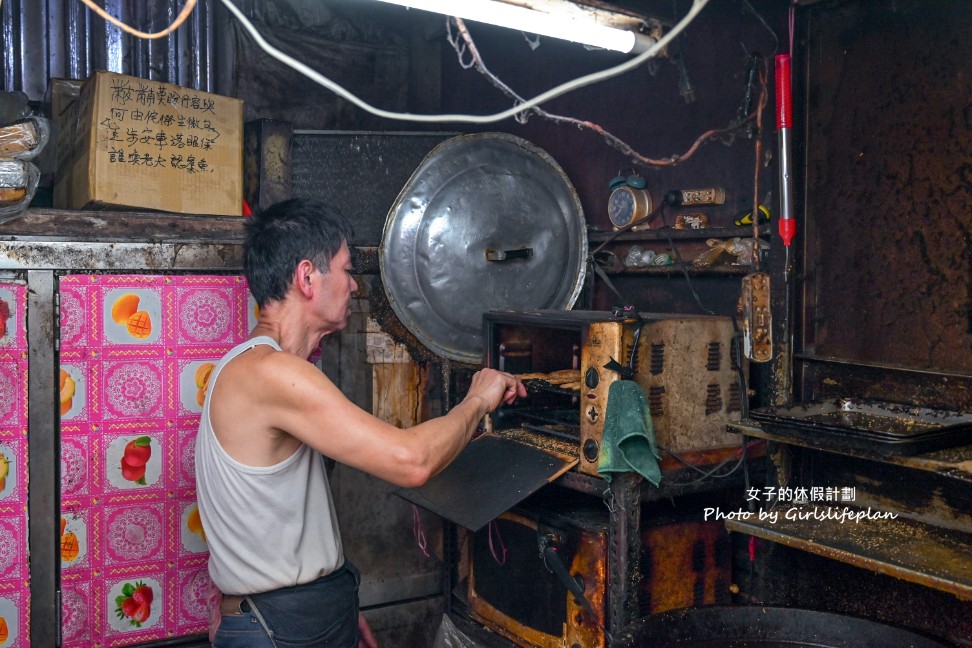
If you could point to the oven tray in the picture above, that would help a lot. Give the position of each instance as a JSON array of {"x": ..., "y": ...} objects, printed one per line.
[{"x": 867, "y": 424}]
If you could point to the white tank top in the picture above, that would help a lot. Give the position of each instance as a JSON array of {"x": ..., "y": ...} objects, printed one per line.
[{"x": 266, "y": 527}]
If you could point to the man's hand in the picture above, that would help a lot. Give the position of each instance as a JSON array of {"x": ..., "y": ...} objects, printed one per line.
[{"x": 494, "y": 387}]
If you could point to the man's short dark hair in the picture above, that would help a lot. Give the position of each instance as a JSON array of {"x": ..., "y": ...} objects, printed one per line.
[{"x": 283, "y": 235}]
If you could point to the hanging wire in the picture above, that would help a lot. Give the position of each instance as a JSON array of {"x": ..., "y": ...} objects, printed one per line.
[
  {"x": 418, "y": 531},
  {"x": 564, "y": 88},
  {"x": 181, "y": 18},
  {"x": 493, "y": 531},
  {"x": 468, "y": 46}
]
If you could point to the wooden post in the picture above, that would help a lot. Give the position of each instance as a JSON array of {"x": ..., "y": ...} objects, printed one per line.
[{"x": 398, "y": 382}]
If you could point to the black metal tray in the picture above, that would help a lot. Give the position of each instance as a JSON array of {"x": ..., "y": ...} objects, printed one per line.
[{"x": 866, "y": 424}]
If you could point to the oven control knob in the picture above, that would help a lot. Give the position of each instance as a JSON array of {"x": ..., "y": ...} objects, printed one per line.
[
  {"x": 591, "y": 378},
  {"x": 590, "y": 450}
]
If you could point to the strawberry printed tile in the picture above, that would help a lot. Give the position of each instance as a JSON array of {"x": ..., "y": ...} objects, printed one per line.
[
  {"x": 132, "y": 389},
  {"x": 134, "y": 605},
  {"x": 134, "y": 461}
]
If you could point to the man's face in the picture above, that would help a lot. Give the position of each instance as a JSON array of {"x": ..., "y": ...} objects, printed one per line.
[{"x": 334, "y": 303}]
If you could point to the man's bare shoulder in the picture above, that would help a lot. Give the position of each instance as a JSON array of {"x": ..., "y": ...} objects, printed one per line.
[
  {"x": 273, "y": 380},
  {"x": 264, "y": 367},
  {"x": 259, "y": 401}
]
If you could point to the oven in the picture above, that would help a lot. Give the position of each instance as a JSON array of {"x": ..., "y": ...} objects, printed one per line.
[
  {"x": 540, "y": 574},
  {"x": 684, "y": 363},
  {"x": 540, "y": 557}
]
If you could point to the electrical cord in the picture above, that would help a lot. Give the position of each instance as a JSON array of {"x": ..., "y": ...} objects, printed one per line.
[
  {"x": 181, "y": 18},
  {"x": 588, "y": 79},
  {"x": 681, "y": 263},
  {"x": 706, "y": 474}
]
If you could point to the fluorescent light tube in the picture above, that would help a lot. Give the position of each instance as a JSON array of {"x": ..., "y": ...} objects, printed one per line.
[{"x": 535, "y": 22}]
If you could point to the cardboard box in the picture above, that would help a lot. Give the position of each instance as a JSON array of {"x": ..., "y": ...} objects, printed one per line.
[{"x": 133, "y": 143}]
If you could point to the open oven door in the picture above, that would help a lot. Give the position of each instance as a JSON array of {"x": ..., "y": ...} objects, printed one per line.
[{"x": 491, "y": 475}]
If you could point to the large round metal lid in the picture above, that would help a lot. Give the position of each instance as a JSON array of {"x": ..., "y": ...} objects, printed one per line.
[{"x": 487, "y": 221}]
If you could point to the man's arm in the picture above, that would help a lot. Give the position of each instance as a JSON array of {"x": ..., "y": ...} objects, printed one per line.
[{"x": 283, "y": 393}]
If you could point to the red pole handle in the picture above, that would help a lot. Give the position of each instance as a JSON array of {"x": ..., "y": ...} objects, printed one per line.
[
  {"x": 787, "y": 229},
  {"x": 784, "y": 98}
]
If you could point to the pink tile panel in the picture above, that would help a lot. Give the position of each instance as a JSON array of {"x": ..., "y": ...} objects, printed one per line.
[
  {"x": 14, "y": 566},
  {"x": 127, "y": 443}
]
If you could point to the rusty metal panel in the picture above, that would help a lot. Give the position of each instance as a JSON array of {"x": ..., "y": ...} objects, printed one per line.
[
  {"x": 684, "y": 564},
  {"x": 360, "y": 173},
  {"x": 45, "y": 39},
  {"x": 889, "y": 231},
  {"x": 267, "y": 164},
  {"x": 917, "y": 553}
]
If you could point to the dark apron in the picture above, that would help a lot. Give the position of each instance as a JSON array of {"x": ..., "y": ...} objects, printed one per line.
[{"x": 320, "y": 613}]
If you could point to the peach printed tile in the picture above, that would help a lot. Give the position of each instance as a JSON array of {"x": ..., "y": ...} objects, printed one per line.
[
  {"x": 190, "y": 381},
  {"x": 13, "y": 477},
  {"x": 15, "y": 616},
  {"x": 73, "y": 391},
  {"x": 192, "y": 537}
]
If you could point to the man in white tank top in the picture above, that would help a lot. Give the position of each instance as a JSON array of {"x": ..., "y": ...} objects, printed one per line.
[{"x": 264, "y": 500}]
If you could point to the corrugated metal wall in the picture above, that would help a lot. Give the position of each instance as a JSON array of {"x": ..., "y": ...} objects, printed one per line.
[{"x": 63, "y": 38}]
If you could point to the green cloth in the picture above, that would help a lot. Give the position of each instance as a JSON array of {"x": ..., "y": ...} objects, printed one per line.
[{"x": 628, "y": 440}]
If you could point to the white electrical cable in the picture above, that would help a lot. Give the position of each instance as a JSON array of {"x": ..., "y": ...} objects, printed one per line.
[{"x": 563, "y": 88}]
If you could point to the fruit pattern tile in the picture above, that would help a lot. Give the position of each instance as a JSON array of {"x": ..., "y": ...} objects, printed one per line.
[
  {"x": 136, "y": 354},
  {"x": 14, "y": 567}
]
